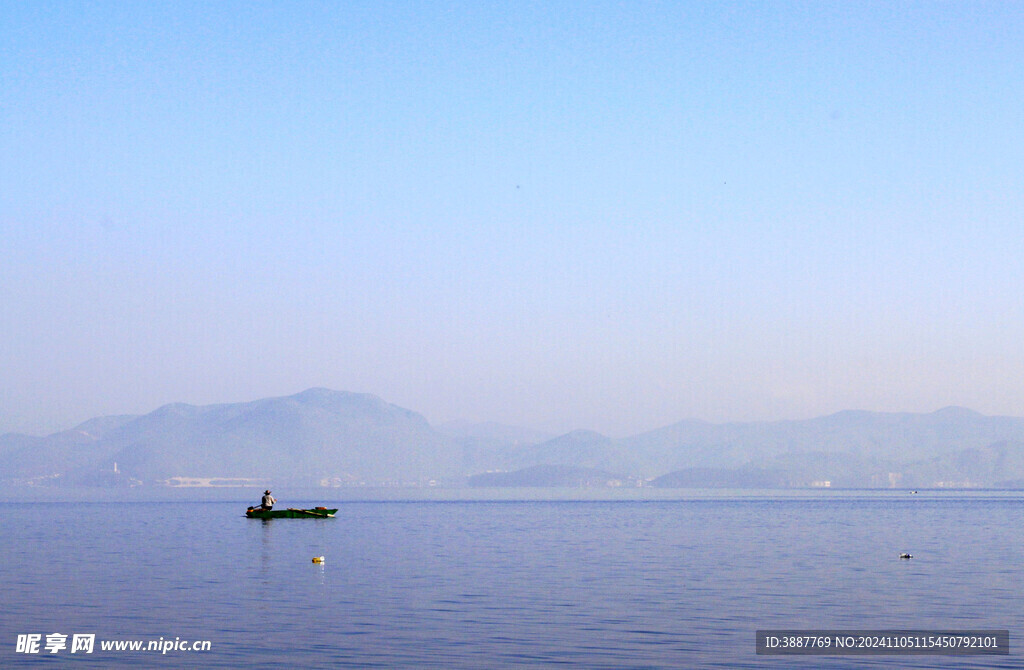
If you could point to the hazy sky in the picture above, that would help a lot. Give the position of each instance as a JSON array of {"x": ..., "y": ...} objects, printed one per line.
[{"x": 604, "y": 215}]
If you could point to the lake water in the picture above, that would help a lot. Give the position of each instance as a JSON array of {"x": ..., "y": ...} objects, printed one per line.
[{"x": 475, "y": 584}]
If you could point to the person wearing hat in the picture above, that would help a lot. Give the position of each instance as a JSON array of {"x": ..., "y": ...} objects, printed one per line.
[{"x": 268, "y": 501}]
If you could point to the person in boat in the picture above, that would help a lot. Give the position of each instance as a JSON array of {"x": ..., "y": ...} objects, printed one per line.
[{"x": 268, "y": 502}]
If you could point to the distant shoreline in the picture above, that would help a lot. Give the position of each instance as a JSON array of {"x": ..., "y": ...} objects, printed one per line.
[{"x": 290, "y": 496}]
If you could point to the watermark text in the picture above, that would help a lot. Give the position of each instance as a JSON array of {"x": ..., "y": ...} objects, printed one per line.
[{"x": 86, "y": 643}]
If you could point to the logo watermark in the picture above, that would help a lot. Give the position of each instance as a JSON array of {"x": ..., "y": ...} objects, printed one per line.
[{"x": 85, "y": 643}]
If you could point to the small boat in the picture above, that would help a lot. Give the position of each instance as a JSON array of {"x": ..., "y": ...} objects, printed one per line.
[{"x": 291, "y": 513}]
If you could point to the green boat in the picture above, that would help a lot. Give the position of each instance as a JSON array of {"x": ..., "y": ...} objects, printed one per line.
[{"x": 291, "y": 513}]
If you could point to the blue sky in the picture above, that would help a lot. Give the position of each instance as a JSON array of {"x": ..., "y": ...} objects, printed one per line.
[{"x": 563, "y": 215}]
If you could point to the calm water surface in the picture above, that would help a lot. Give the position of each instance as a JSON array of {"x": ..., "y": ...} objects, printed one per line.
[{"x": 662, "y": 584}]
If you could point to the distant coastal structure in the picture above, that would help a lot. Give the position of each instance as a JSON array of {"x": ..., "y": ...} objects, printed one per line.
[{"x": 204, "y": 482}]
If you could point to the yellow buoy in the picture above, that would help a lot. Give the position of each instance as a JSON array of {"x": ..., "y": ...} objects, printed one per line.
[{"x": 318, "y": 559}]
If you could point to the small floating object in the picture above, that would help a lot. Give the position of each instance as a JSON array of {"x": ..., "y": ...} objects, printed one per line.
[
  {"x": 903, "y": 555},
  {"x": 318, "y": 559}
]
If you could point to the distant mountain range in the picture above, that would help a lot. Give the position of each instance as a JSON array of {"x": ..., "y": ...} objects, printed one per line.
[{"x": 334, "y": 438}]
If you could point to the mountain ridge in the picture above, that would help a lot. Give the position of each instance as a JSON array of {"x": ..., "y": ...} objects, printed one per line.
[{"x": 325, "y": 437}]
